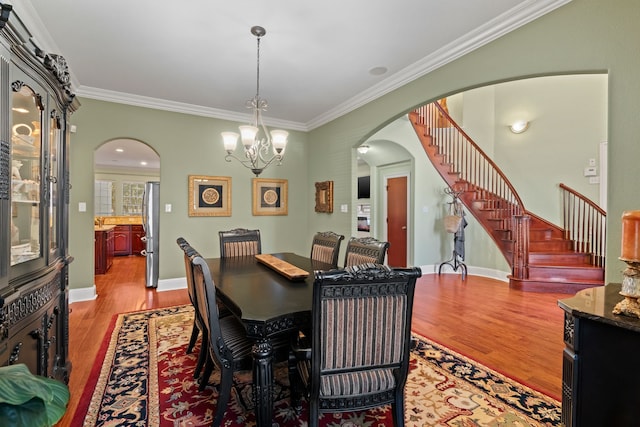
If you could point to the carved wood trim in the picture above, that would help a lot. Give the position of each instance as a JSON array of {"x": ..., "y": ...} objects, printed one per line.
[
  {"x": 30, "y": 302},
  {"x": 5, "y": 11}
]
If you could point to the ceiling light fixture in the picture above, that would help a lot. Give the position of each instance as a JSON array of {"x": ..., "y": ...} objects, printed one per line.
[
  {"x": 519, "y": 126},
  {"x": 256, "y": 147},
  {"x": 362, "y": 149}
]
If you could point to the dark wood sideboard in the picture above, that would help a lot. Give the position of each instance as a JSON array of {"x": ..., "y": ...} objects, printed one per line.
[{"x": 600, "y": 375}]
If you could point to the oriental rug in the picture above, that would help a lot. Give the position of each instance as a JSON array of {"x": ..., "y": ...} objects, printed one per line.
[{"x": 146, "y": 379}]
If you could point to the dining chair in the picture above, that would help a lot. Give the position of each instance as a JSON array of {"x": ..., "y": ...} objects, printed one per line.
[
  {"x": 227, "y": 344},
  {"x": 198, "y": 323},
  {"x": 362, "y": 250},
  {"x": 360, "y": 341},
  {"x": 239, "y": 242},
  {"x": 228, "y": 347},
  {"x": 325, "y": 247}
]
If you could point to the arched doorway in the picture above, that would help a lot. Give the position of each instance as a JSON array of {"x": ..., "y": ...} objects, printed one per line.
[{"x": 122, "y": 169}]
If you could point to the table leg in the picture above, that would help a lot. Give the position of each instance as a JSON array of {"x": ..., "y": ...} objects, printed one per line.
[{"x": 262, "y": 353}]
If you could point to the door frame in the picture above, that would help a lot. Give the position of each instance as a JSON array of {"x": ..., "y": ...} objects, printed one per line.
[{"x": 397, "y": 171}]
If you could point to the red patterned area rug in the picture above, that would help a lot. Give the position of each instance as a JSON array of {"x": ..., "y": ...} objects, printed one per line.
[{"x": 146, "y": 379}]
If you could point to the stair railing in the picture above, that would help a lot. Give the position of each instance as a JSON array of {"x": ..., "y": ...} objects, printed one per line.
[
  {"x": 584, "y": 223},
  {"x": 477, "y": 172}
]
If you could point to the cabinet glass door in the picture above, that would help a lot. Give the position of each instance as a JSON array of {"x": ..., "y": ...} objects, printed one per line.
[{"x": 26, "y": 149}]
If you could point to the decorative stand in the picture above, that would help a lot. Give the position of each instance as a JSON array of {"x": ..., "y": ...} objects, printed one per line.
[
  {"x": 630, "y": 290},
  {"x": 630, "y": 306},
  {"x": 456, "y": 261}
]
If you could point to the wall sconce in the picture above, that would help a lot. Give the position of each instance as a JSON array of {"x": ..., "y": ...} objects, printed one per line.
[
  {"x": 362, "y": 149},
  {"x": 519, "y": 126}
]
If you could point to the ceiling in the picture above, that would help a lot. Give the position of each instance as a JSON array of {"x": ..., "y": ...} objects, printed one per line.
[{"x": 319, "y": 60}]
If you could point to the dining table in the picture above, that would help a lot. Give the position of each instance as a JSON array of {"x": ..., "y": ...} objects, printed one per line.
[{"x": 268, "y": 303}]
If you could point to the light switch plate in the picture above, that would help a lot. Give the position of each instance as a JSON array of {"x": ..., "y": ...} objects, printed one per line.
[
  {"x": 82, "y": 207},
  {"x": 167, "y": 207},
  {"x": 344, "y": 208}
]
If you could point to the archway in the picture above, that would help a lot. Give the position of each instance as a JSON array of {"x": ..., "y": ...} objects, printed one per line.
[{"x": 122, "y": 169}]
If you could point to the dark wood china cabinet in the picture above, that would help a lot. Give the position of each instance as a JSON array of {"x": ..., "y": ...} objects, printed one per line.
[{"x": 35, "y": 104}]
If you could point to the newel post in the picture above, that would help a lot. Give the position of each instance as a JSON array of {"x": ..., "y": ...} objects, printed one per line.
[{"x": 520, "y": 232}]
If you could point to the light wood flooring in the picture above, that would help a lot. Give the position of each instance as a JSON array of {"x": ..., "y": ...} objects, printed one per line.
[{"x": 518, "y": 334}]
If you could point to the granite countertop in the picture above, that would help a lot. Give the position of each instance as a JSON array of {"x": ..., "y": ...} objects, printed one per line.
[
  {"x": 597, "y": 304},
  {"x": 121, "y": 220},
  {"x": 104, "y": 227}
]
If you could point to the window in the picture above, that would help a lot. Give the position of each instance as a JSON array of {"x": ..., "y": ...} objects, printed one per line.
[
  {"x": 132, "y": 193},
  {"x": 103, "y": 198}
]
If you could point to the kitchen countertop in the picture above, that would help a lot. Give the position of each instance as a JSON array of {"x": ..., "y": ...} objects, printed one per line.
[
  {"x": 106, "y": 227},
  {"x": 121, "y": 220}
]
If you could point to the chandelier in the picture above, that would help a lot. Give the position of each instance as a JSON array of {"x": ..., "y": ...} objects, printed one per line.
[{"x": 260, "y": 147}]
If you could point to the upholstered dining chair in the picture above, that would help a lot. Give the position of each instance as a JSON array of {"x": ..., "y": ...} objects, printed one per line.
[
  {"x": 360, "y": 341},
  {"x": 364, "y": 250},
  {"x": 239, "y": 242},
  {"x": 228, "y": 347},
  {"x": 325, "y": 247},
  {"x": 198, "y": 322}
]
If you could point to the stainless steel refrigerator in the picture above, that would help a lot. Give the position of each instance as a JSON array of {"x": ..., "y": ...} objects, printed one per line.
[{"x": 151, "y": 224}]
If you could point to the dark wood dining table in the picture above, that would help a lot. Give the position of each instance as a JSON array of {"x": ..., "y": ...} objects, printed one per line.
[{"x": 268, "y": 304}]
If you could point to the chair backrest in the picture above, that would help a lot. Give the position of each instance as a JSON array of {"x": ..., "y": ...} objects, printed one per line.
[
  {"x": 361, "y": 329},
  {"x": 326, "y": 246},
  {"x": 365, "y": 250},
  {"x": 188, "y": 253},
  {"x": 239, "y": 242},
  {"x": 208, "y": 309}
]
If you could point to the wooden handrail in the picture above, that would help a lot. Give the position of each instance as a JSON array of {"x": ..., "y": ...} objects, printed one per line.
[
  {"x": 584, "y": 224},
  {"x": 470, "y": 161},
  {"x": 475, "y": 171}
]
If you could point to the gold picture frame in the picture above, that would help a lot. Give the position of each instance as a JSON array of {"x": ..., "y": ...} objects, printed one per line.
[
  {"x": 324, "y": 196},
  {"x": 209, "y": 195},
  {"x": 270, "y": 196}
]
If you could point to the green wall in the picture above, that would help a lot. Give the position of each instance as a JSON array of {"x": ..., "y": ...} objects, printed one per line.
[
  {"x": 584, "y": 36},
  {"x": 187, "y": 145}
]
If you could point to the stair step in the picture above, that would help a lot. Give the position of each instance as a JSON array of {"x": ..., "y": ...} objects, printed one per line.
[
  {"x": 561, "y": 287},
  {"x": 550, "y": 245},
  {"x": 559, "y": 258},
  {"x": 540, "y": 233},
  {"x": 557, "y": 273}
]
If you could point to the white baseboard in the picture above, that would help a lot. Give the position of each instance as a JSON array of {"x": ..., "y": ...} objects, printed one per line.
[
  {"x": 82, "y": 294},
  {"x": 471, "y": 270},
  {"x": 172, "y": 284}
]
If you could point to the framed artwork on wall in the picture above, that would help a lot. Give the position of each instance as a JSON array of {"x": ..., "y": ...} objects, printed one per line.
[
  {"x": 324, "y": 196},
  {"x": 209, "y": 195},
  {"x": 270, "y": 196}
]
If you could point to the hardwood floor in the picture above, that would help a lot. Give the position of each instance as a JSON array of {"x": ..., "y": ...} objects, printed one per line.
[{"x": 516, "y": 333}]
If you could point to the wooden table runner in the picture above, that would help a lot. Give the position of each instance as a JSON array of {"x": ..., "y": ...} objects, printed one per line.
[{"x": 289, "y": 271}]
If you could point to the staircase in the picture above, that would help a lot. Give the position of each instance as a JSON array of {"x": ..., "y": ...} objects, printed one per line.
[{"x": 543, "y": 256}]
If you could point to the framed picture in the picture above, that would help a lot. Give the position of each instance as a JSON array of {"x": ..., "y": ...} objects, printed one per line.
[
  {"x": 324, "y": 196},
  {"x": 209, "y": 195},
  {"x": 269, "y": 196}
]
